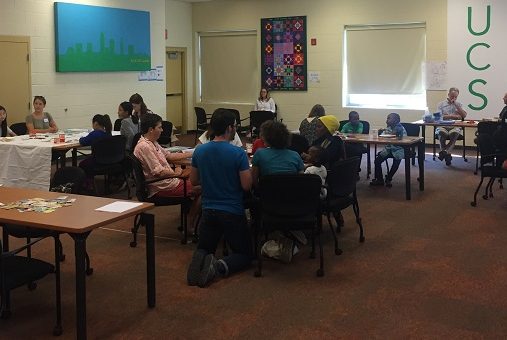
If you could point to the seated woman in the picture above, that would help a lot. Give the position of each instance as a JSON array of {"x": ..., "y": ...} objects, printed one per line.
[
  {"x": 4, "y": 128},
  {"x": 265, "y": 102},
  {"x": 129, "y": 123},
  {"x": 209, "y": 136},
  {"x": 332, "y": 146},
  {"x": 276, "y": 158},
  {"x": 155, "y": 161},
  {"x": 308, "y": 126},
  {"x": 39, "y": 121}
]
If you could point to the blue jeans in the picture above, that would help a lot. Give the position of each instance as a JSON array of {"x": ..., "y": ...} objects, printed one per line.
[{"x": 214, "y": 224}]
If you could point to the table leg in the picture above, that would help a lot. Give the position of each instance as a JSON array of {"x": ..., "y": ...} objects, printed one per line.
[
  {"x": 368, "y": 161},
  {"x": 80, "y": 250},
  {"x": 149, "y": 220},
  {"x": 420, "y": 154},
  {"x": 74, "y": 156},
  {"x": 464, "y": 146},
  {"x": 406, "y": 150},
  {"x": 423, "y": 129},
  {"x": 434, "y": 142}
]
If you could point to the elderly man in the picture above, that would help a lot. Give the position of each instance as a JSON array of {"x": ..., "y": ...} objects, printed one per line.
[{"x": 450, "y": 109}]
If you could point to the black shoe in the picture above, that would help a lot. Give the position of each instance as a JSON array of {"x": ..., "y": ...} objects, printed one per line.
[
  {"x": 442, "y": 154},
  {"x": 388, "y": 183},
  {"x": 208, "y": 271},
  {"x": 194, "y": 269},
  {"x": 448, "y": 159},
  {"x": 377, "y": 182}
]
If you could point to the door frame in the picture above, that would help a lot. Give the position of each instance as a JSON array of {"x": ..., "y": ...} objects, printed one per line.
[{"x": 183, "y": 51}]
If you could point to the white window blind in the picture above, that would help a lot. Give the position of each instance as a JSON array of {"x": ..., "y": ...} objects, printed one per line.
[
  {"x": 384, "y": 65},
  {"x": 228, "y": 71}
]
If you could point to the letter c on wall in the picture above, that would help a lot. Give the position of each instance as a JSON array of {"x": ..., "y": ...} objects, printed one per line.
[{"x": 469, "y": 62}]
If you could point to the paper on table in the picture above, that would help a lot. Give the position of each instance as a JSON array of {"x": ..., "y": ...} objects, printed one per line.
[{"x": 119, "y": 206}]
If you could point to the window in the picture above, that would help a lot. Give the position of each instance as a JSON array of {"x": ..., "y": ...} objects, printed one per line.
[
  {"x": 225, "y": 69},
  {"x": 383, "y": 66}
]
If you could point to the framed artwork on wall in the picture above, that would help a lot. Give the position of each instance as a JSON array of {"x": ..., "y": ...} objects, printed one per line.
[
  {"x": 101, "y": 39},
  {"x": 283, "y": 53}
]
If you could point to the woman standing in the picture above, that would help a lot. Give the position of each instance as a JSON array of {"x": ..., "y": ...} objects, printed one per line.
[
  {"x": 140, "y": 108},
  {"x": 5, "y": 131},
  {"x": 265, "y": 102},
  {"x": 39, "y": 121}
]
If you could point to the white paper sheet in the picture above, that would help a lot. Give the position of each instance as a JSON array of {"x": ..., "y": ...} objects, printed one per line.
[{"x": 119, "y": 206}]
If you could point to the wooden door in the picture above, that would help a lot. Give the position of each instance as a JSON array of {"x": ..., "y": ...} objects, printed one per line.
[
  {"x": 15, "y": 89},
  {"x": 175, "y": 87}
]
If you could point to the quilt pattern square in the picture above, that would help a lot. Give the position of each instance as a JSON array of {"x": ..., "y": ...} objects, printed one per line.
[{"x": 283, "y": 53}]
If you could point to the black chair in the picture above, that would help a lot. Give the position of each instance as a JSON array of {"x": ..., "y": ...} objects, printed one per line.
[
  {"x": 65, "y": 180},
  {"x": 117, "y": 124},
  {"x": 298, "y": 143},
  {"x": 241, "y": 130},
  {"x": 201, "y": 122},
  {"x": 135, "y": 139},
  {"x": 167, "y": 131},
  {"x": 289, "y": 202},
  {"x": 490, "y": 165},
  {"x": 256, "y": 120},
  {"x": 486, "y": 127},
  {"x": 341, "y": 193},
  {"x": 142, "y": 196},
  {"x": 17, "y": 271},
  {"x": 19, "y": 128},
  {"x": 109, "y": 159},
  {"x": 366, "y": 148}
]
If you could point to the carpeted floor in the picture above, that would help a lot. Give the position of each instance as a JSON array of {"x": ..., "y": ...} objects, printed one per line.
[{"x": 432, "y": 267}]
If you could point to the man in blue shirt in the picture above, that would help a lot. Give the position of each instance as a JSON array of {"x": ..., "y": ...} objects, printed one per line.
[{"x": 223, "y": 172}]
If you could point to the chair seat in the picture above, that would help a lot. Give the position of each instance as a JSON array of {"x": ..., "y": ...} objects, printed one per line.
[
  {"x": 338, "y": 203},
  {"x": 19, "y": 270},
  {"x": 20, "y": 231}
]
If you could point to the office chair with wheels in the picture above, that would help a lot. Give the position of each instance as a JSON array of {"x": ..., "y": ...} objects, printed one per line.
[
  {"x": 17, "y": 271},
  {"x": 142, "y": 196},
  {"x": 201, "y": 122},
  {"x": 289, "y": 202}
]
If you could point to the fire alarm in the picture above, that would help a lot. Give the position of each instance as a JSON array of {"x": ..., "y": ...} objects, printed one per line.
[{"x": 313, "y": 41}]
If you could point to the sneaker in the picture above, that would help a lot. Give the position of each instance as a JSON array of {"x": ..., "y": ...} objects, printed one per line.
[
  {"x": 377, "y": 182},
  {"x": 448, "y": 159},
  {"x": 442, "y": 154},
  {"x": 208, "y": 271},
  {"x": 194, "y": 268},
  {"x": 286, "y": 249}
]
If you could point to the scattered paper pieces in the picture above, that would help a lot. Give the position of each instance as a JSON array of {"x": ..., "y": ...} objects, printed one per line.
[
  {"x": 39, "y": 204},
  {"x": 119, "y": 206}
]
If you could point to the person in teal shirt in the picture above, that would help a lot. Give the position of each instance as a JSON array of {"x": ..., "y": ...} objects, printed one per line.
[{"x": 354, "y": 125}]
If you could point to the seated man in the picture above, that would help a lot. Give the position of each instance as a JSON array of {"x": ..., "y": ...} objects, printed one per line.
[
  {"x": 450, "y": 109},
  {"x": 223, "y": 171}
]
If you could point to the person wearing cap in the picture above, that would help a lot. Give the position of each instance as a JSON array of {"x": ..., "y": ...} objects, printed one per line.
[{"x": 332, "y": 146}]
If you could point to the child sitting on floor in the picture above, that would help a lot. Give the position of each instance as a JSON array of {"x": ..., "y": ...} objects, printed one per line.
[{"x": 394, "y": 127}]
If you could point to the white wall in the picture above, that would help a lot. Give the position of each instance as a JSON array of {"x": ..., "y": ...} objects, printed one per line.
[
  {"x": 325, "y": 20},
  {"x": 82, "y": 94}
]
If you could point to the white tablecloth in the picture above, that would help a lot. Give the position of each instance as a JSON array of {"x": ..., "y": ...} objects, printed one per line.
[{"x": 26, "y": 162}]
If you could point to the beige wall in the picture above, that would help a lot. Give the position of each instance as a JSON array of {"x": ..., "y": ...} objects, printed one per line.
[
  {"x": 82, "y": 94},
  {"x": 326, "y": 19}
]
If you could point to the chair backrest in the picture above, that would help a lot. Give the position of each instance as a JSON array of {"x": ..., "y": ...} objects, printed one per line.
[
  {"x": 117, "y": 124},
  {"x": 135, "y": 139},
  {"x": 140, "y": 180},
  {"x": 412, "y": 129},
  {"x": 298, "y": 143},
  {"x": 259, "y": 117},
  {"x": 109, "y": 150},
  {"x": 201, "y": 120},
  {"x": 165, "y": 137},
  {"x": 290, "y": 195},
  {"x": 73, "y": 175},
  {"x": 487, "y": 127},
  {"x": 236, "y": 113},
  {"x": 487, "y": 148},
  {"x": 19, "y": 128},
  {"x": 341, "y": 179},
  {"x": 342, "y": 123}
]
